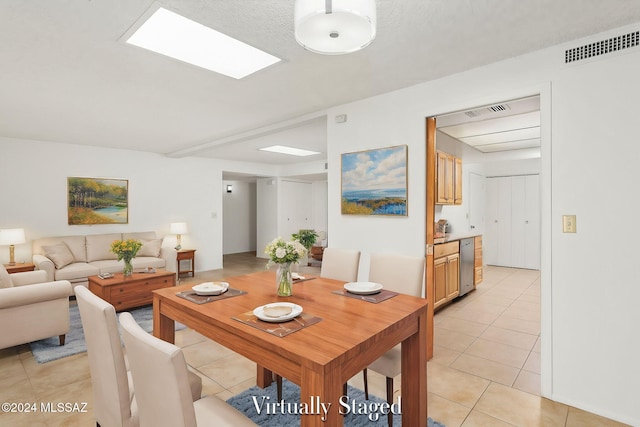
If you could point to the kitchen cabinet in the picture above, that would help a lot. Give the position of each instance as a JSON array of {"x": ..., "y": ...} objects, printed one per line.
[
  {"x": 449, "y": 179},
  {"x": 446, "y": 267},
  {"x": 512, "y": 237},
  {"x": 477, "y": 260}
]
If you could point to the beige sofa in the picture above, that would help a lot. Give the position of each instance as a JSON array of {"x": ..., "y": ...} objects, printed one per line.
[
  {"x": 31, "y": 308},
  {"x": 75, "y": 258}
]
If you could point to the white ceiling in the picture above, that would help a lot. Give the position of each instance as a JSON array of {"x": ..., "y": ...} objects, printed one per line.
[
  {"x": 510, "y": 125},
  {"x": 66, "y": 77}
]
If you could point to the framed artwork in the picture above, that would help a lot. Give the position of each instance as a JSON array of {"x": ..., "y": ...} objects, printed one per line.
[
  {"x": 97, "y": 201},
  {"x": 374, "y": 182}
]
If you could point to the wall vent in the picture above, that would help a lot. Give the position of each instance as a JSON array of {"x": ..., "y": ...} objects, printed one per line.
[
  {"x": 591, "y": 50},
  {"x": 498, "y": 108}
]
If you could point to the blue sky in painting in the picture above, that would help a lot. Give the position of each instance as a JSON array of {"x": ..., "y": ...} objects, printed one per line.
[{"x": 379, "y": 169}]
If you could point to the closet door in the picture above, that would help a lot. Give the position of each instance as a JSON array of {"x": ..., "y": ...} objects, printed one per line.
[
  {"x": 532, "y": 222},
  {"x": 490, "y": 242},
  {"x": 518, "y": 218},
  {"x": 504, "y": 222}
]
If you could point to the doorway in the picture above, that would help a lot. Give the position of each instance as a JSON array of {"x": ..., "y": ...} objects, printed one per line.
[{"x": 483, "y": 158}]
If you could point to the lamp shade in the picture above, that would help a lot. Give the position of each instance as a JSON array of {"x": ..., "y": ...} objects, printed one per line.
[
  {"x": 335, "y": 27},
  {"x": 179, "y": 228},
  {"x": 12, "y": 236}
]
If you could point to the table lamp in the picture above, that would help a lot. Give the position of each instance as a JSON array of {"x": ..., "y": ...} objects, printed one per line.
[
  {"x": 178, "y": 228},
  {"x": 12, "y": 237}
]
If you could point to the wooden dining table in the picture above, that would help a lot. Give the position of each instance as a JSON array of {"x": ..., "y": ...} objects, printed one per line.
[{"x": 320, "y": 358}]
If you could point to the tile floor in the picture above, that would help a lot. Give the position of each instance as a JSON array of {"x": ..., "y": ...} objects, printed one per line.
[{"x": 485, "y": 370}]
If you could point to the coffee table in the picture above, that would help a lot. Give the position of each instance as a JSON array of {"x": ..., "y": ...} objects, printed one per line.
[{"x": 134, "y": 291}]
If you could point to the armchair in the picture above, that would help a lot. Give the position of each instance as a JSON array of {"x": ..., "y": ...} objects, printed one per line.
[{"x": 32, "y": 308}]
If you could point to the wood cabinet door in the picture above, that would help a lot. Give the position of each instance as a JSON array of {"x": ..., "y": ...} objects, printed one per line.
[
  {"x": 440, "y": 281},
  {"x": 443, "y": 180},
  {"x": 457, "y": 181},
  {"x": 453, "y": 276}
]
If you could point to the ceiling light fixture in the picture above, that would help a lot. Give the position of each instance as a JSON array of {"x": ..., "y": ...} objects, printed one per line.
[
  {"x": 335, "y": 27},
  {"x": 173, "y": 35},
  {"x": 282, "y": 149}
]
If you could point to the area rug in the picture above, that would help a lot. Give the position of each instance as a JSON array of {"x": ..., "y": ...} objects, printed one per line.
[
  {"x": 50, "y": 349},
  {"x": 253, "y": 403}
]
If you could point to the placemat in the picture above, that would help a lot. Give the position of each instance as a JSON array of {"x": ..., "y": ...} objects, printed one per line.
[
  {"x": 281, "y": 329},
  {"x": 202, "y": 299},
  {"x": 375, "y": 298}
]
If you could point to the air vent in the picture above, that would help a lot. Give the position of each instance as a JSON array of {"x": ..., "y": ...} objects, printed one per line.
[
  {"x": 486, "y": 110},
  {"x": 591, "y": 50}
]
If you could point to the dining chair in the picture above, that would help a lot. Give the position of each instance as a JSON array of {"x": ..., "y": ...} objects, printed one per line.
[
  {"x": 340, "y": 264},
  {"x": 159, "y": 372},
  {"x": 405, "y": 275},
  {"x": 114, "y": 400}
]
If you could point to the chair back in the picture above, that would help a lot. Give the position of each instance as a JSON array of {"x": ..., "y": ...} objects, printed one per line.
[
  {"x": 112, "y": 397},
  {"x": 340, "y": 264},
  {"x": 160, "y": 378},
  {"x": 398, "y": 273}
]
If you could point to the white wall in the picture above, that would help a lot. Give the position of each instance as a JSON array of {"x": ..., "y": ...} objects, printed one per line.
[
  {"x": 33, "y": 189},
  {"x": 239, "y": 217},
  {"x": 589, "y": 294}
]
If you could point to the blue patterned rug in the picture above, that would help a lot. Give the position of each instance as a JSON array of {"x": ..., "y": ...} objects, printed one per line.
[
  {"x": 50, "y": 349},
  {"x": 249, "y": 403}
]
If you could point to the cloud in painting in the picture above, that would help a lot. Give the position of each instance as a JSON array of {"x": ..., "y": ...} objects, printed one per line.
[{"x": 375, "y": 170}]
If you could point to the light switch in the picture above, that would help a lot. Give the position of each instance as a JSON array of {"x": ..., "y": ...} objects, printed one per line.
[{"x": 568, "y": 223}]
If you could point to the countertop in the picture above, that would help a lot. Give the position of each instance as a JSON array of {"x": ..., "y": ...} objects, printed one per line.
[{"x": 453, "y": 237}]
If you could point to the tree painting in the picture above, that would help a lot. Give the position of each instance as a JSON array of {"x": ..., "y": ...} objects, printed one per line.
[
  {"x": 374, "y": 182},
  {"x": 97, "y": 201}
]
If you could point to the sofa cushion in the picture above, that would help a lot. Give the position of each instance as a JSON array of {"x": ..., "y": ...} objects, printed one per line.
[
  {"x": 76, "y": 270},
  {"x": 59, "y": 254},
  {"x": 108, "y": 266},
  {"x": 150, "y": 248},
  {"x": 5, "y": 278},
  {"x": 144, "y": 262},
  {"x": 142, "y": 235},
  {"x": 76, "y": 245},
  {"x": 99, "y": 246}
]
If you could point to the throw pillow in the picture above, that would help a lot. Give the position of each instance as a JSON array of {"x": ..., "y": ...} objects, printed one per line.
[
  {"x": 150, "y": 248},
  {"x": 5, "y": 278},
  {"x": 59, "y": 254}
]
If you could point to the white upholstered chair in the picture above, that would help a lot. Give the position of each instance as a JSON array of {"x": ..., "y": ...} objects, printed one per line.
[
  {"x": 114, "y": 400},
  {"x": 32, "y": 308},
  {"x": 162, "y": 390},
  {"x": 340, "y": 264},
  {"x": 405, "y": 275}
]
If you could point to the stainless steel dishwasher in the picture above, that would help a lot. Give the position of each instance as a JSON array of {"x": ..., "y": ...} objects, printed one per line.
[{"x": 466, "y": 265}]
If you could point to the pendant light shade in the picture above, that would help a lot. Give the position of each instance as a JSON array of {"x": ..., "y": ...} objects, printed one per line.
[{"x": 335, "y": 27}]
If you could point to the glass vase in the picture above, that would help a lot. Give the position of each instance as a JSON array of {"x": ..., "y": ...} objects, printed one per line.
[
  {"x": 128, "y": 268},
  {"x": 284, "y": 280}
]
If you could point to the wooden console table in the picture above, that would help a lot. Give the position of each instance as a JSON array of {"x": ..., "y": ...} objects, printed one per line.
[
  {"x": 128, "y": 292},
  {"x": 183, "y": 255}
]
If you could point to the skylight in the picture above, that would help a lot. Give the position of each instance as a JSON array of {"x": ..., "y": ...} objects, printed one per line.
[
  {"x": 173, "y": 35},
  {"x": 282, "y": 149}
]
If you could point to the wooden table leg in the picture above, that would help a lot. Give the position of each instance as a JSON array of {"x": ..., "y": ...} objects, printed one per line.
[
  {"x": 322, "y": 388},
  {"x": 414, "y": 376},
  {"x": 264, "y": 377},
  {"x": 163, "y": 327}
]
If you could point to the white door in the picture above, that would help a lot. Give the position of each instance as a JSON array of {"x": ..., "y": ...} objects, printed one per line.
[
  {"x": 295, "y": 207},
  {"x": 504, "y": 222},
  {"x": 490, "y": 237},
  {"x": 476, "y": 202},
  {"x": 518, "y": 215},
  {"x": 532, "y": 222}
]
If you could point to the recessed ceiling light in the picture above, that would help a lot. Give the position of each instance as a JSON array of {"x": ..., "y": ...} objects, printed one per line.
[
  {"x": 289, "y": 150},
  {"x": 173, "y": 35}
]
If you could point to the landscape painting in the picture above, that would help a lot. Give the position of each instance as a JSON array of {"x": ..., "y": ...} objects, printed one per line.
[
  {"x": 374, "y": 182},
  {"x": 97, "y": 201}
]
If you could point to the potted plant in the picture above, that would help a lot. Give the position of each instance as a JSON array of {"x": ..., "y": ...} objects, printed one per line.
[{"x": 306, "y": 238}]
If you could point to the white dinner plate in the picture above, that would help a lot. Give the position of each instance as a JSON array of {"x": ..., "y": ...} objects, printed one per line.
[
  {"x": 211, "y": 288},
  {"x": 363, "y": 288},
  {"x": 296, "y": 310}
]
